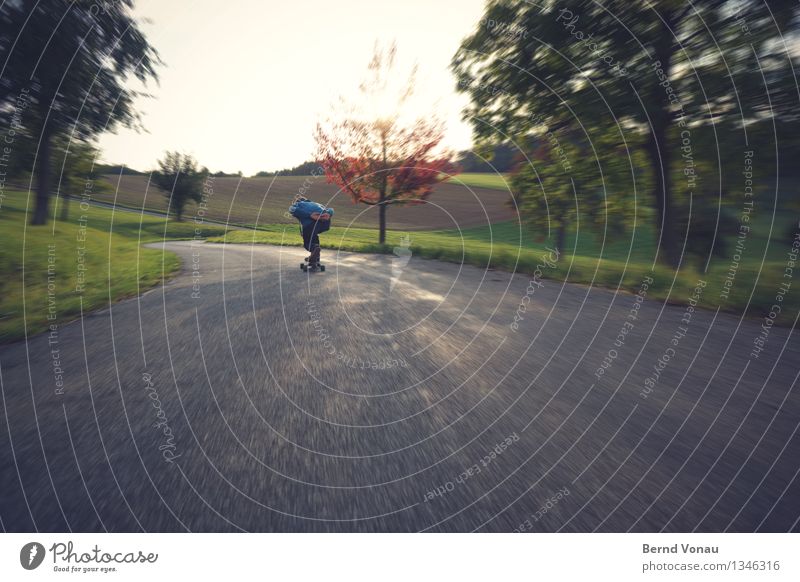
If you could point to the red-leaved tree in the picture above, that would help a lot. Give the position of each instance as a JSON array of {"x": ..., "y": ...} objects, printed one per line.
[{"x": 380, "y": 158}]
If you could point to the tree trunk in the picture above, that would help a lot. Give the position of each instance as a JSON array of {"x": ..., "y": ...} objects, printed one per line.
[
  {"x": 175, "y": 208},
  {"x": 42, "y": 180},
  {"x": 660, "y": 161},
  {"x": 382, "y": 199},
  {"x": 561, "y": 238},
  {"x": 382, "y": 221},
  {"x": 659, "y": 151}
]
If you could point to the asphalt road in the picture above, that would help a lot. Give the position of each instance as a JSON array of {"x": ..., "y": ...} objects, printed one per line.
[{"x": 383, "y": 396}]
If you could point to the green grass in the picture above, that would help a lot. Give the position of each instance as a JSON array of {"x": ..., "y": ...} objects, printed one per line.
[
  {"x": 619, "y": 261},
  {"x": 115, "y": 265},
  {"x": 493, "y": 181}
]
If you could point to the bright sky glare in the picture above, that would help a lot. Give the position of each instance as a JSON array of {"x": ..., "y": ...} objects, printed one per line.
[{"x": 245, "y": 81}]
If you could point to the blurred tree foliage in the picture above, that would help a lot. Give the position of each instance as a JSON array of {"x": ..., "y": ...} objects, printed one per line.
[
  {"x": 691, "y": 85},
  {"x": 500, "y": 158},
  {"x": 71, "y": 61},
  {"x": 74, "y": 166},
  {"x": 382, "y": 157},
  {"x": 555, "y": 188}
]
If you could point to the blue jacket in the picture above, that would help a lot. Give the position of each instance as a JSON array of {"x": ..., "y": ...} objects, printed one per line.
[{"x": 303, "y": 209}]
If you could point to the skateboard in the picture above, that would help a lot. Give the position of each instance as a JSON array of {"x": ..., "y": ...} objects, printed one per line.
[{"x": 306, "y": 266}]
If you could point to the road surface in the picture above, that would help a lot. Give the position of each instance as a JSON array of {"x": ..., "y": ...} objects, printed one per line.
[{"x": 389, "y": 394}]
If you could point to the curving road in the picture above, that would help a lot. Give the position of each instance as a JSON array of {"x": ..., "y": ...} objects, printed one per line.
[{"x": 385, "y": 395}]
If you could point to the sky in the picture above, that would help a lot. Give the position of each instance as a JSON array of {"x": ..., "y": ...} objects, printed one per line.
[{"x": 245, "y": 81}]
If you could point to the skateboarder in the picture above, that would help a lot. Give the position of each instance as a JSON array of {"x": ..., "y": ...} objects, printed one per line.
[{"x": 314, "y": 219}]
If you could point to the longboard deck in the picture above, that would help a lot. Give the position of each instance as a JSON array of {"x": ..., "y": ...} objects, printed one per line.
[{"x": 305, "y": 267}]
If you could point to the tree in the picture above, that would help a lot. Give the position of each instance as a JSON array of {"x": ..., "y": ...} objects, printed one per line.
[
  {"x": 544, "y": 193},
  {"x": 75, "y": 167},
  {"x": 304, "y": 169},
  {"x": 181, "y": 181},
  {"x": 655, "y": 69},
  {"x": 567, "y": 180},
  {"x": 502, "y": 157},
  {"x": 382, "y": 158},
  {"x": 117, "y": 169},
  {"x": 74, "y": 59}
]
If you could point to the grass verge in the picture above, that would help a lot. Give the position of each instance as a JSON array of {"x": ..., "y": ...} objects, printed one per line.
[
  {"x": 49, "y": 273},
  {"x": 476, "y": 180}
]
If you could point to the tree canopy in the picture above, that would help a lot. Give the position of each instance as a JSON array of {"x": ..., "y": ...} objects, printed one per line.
[
  {"x": 654, "y": 72},
  {"x": 74, "y": 59},
  {"x": 380, "y": 157},
  {"x": 181, "y": 180}
]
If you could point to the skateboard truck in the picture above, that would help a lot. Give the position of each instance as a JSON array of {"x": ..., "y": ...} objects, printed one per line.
[{"x": 307, "y": 265}]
